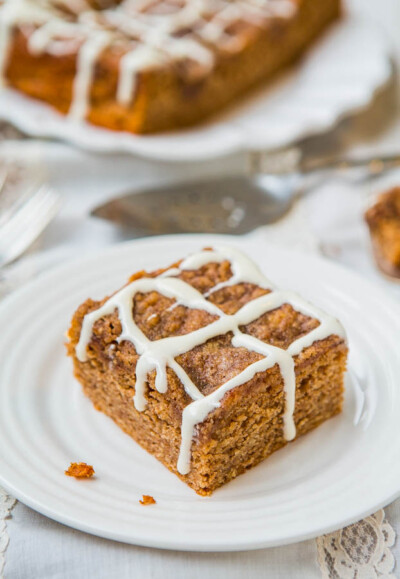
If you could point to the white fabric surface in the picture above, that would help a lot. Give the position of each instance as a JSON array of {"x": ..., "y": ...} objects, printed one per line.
[
  {"x": 42, "y": 549},
  {"x": 71, "y": 554}
]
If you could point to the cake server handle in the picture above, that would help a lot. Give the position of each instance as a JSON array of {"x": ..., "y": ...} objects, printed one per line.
[
  {"x": 365, "y": 167},
  {"x": 292, "y": 161}
]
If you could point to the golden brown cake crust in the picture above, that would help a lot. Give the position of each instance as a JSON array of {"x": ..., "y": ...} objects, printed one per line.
[
  {"x": 383, "y": 220},
  {"x": 248, "y": 425},
  {"x": 171, "y": 96}
]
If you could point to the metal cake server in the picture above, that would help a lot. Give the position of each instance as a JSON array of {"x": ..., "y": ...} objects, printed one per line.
[{"x": 233, "y": 205}]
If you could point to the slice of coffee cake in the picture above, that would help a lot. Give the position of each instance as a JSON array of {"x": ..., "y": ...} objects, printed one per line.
[{"x": 208, "y": 366}]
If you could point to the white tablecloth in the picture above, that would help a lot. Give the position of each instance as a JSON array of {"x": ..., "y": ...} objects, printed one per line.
[{"x": 328, "y": 221}]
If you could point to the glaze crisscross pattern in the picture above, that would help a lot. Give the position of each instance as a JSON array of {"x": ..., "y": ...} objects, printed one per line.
[
  {"x": 159, "y": 354},
  {"x": 146, "y": 33}
]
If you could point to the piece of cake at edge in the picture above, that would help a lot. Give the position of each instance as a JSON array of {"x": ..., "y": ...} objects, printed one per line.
[
  {"x": 152, "y": 65},
  {"x": 383, "y": 220},
  {"x": 208, "y": 366}
]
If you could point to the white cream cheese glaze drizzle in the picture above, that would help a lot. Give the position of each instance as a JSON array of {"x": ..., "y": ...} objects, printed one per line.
[
  {"x": 87, "y": 58},
  {"x": 159, "y": 354},
  {"x": 151, "y": 39}
]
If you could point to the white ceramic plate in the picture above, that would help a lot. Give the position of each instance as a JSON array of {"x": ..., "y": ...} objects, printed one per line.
[
  {"x": 346, "y": 469},
  {"x": 338, "y": 76}
]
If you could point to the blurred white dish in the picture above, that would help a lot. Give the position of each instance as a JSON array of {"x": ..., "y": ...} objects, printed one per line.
[
  {"x": 339, "y": 75},
  {"x": 345, "y": 470}
]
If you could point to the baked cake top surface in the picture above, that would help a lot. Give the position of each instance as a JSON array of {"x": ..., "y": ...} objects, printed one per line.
[
  {"x": 242, "y": 320},
  {"x": 144, "y": 34}
]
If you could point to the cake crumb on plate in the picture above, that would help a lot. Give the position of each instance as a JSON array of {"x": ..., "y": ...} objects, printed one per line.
[
  {"x": 80, "y": 470},
  {"x": 147, "y": 500}
]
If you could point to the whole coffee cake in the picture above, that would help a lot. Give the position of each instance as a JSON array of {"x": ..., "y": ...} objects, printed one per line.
[
  {"x": 150, "y": 65},
  {"x": 208, "y": 366}
]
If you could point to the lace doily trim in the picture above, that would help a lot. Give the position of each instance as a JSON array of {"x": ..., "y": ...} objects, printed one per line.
[
  {"x": 359, "y": 551},
  {"x": 6, "y": 504}
]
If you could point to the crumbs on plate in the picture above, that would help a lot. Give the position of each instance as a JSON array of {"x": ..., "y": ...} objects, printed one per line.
[
  {"x": 80, "y": 470},
  {"x": 147, "y": 500}
]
